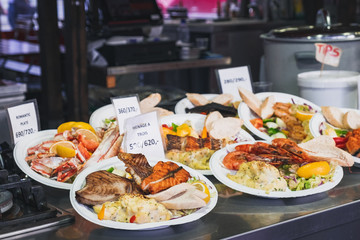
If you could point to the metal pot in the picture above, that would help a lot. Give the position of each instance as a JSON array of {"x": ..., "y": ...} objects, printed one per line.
[{"x": 291, "y": 50}]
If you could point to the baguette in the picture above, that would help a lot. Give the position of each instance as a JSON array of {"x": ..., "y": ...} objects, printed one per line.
[
  {"x": 351, "y": 120},
  {"x": 197, "y": 99},
  {"x": 223, "y": 99},
  {"x": 333, "y": 115},
  {"x": 323, "y": 148},
  {"x": 266, "y": 108},
  {"x": 251, "y": 100}
]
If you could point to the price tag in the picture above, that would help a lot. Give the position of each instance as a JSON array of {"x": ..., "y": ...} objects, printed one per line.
[
  {"x": 143, "y": 135},
  {"x": 24, "y": 120},
  {"x": 125, "y": 107},
  {"x": 230, "y": 79},
  {"x": 328, "y": 54}
]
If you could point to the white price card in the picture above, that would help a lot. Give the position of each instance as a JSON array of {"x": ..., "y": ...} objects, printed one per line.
[
  {"x": 230, "y": 79},
  {"x": 143, "y": 135},
  {"x": 125, "y": 107},
  {"x": 328, "y": 54},
  {"x": 24, "y": 120}
]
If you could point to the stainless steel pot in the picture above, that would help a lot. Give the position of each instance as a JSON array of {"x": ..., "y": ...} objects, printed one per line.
[{"x": 291, "y": 50}]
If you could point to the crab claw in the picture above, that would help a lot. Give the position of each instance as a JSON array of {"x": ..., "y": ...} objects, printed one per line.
[{"x": 82, "y": 153}]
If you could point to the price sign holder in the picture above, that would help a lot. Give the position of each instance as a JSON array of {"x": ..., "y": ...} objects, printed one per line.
[
  {"x": 24, "y": 119},
  {"x": 143, "y": 135},
  {"x": 229, "y": 79},
  {"x": 125, "y": 107}
]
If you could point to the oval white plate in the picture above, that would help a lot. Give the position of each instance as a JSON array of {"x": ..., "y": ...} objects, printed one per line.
[
  {"x": 99, "y": 115},
  {"x": 318, "y": 119},
  {"x": 185, "y": 103},
  {"x": 246, "y": 114},
  {"x": 20, "y": 153},
  {"x": 220, "y": 172},
  {"x": 87, "y": 212},
  {"x": 197, "y": 122}
]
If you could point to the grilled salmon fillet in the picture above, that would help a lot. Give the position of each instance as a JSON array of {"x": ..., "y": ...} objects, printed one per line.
[
  {"x": 103, "y": 186},
  {"x": 164, "y": 176},
  {"x": 190, "y": 143}
]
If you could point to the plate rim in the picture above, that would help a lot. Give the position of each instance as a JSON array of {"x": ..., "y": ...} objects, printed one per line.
[
  {"x": 79, "y": 181},
  {"x": 215, "y": 164}
]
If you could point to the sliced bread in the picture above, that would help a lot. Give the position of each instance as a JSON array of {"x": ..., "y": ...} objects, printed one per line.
[
  {"x": 323, "y": 148},
  {"x": 333, "y": 115},
  {"x": 351, "y": 120},
  {"x": 266, "y": 108},
  {"x": 251, "y": 100},
  {"x": 223, "y": 99},
  {"x": 210, "y": 118},
  {"x": 225, "y": 127},
  {"x": 197, "y": 99},
  {"x": 149, "y": 102}
]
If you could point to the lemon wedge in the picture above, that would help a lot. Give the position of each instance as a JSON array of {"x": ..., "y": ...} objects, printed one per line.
[
  {"x": 202, "y": 187},
  {"x": 65, "y": 149}
]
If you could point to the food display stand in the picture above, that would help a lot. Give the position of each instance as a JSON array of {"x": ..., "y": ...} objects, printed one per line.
[{"x": 330, "y": 215}]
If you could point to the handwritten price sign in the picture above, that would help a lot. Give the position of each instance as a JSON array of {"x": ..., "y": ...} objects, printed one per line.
[
  {"x": 328, "y": 54},
  {"x": 125, "y": 107},
  {"x": 143, "y": 135},
  {"x": 24, "y": 120}
]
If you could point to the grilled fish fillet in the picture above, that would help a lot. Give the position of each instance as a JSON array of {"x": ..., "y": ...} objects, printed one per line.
[
  {"x": 191, "y": 143},
  {"x": 137, "y": 165},
  {"x": 103, "y": 186}
]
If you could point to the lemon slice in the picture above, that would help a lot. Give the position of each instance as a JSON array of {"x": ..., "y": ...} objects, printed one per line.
[
  {"x": 302, "y": 116},
  {"x": 88, "y": 134},
  {"x": 315, "y": 168},
  {"x": 65, "y": 126},
  {"x": 83, "y": 125},
  {"x": 202, "y": 187},
  {"x": 64, "y": 149}
]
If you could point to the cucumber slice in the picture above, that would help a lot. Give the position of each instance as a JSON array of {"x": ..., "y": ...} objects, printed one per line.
[
  {"x": 280, "y": 123},
  {"x": 271, "y": 125},
  {"x": 278, "y": 135}
]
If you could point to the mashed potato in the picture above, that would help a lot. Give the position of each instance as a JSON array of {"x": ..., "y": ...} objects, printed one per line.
[{"x": 259, "y": 175}]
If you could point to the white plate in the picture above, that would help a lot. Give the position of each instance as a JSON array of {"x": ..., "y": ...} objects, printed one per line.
[
  {"x": 185, "y": 103},
  {"x": 197, "y": 122},
  {"x": 99, "y": 115},
  {"x": 246, "y": 114},
  {"x": 220, "y": 172},
  {"x": 20, "y": 153},
  {"x": 89, "y": 214},
  {"x": 318, "y": 119}
]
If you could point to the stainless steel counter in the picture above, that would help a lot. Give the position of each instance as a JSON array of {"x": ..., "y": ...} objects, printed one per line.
[{"x": 331, "y": 214}]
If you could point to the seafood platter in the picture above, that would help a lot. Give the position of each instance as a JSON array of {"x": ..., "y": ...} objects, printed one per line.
[
  {"x": 343, "y": 125},
  {"x": 164, "y": 193}
]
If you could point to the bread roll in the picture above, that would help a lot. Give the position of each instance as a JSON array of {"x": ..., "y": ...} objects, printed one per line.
[
  {"x": 251, "y": 100},
  {"x": 266, "y": 108},
  {"x": 351, "y": 120},
  {"x": 333, "y": 115},
  {"x": 323, "y": 148},
  {"x": 197, "y": 99},
  {"x": 210, "y": 118},
  {"x": 223, "y": 99}
]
